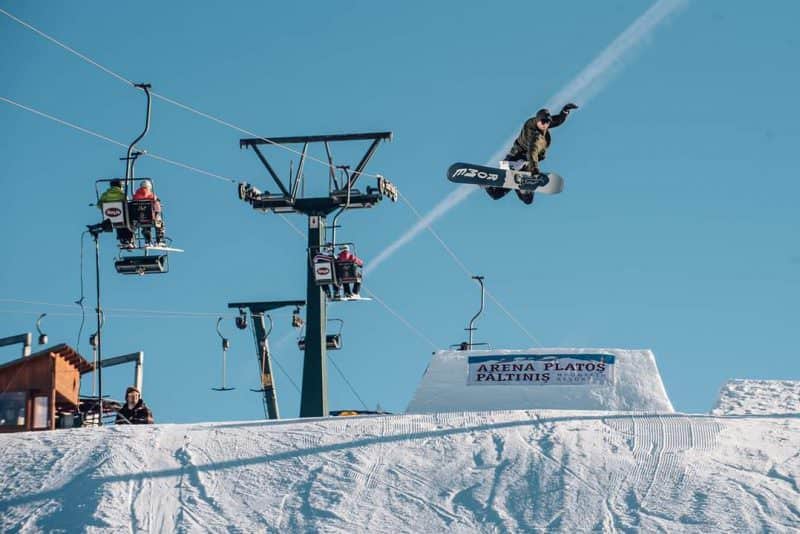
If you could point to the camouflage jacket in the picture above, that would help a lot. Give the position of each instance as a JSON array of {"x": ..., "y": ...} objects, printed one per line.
[{"x": 530, "y": 136}]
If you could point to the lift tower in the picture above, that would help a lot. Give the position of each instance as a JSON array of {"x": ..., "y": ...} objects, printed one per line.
[
  {"x": 257, "y": 312},
  {"x": 342, "y": 195}
]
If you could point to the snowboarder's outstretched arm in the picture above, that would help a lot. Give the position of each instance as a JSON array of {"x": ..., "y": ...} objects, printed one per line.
[{"x": 559, "y": 118}]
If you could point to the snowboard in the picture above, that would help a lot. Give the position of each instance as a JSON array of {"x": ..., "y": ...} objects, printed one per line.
[{"x": 469, "y": 173}]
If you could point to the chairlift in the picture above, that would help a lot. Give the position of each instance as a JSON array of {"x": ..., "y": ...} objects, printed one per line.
[
  {"x": 226, "y": 344},
  {"x": 241, "y": 319},
  {"x": 329, "y": 271},
  {"x": 332, "y": 341},
  {"x": 42, "y": 335},
  {"x": 140, "y": 218},
  {"x": 136, "y": 219},
  {"x": 297, "y": 321}
]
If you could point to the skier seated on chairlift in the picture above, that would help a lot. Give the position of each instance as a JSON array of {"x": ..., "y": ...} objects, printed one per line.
[
  {"x": 115, "y": 193},
  {"x": 145, "y": 192},
  {"x": 530, "y": 146},
  {"x": 343, "y": 261}
]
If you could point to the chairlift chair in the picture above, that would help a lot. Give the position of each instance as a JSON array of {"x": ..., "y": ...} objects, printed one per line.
[
  {"x": 332, "y": 341},
  {"x": 328, "y": 271},
  {"x": 136, "y": 216},
  {"x": 226, "y": 344}
]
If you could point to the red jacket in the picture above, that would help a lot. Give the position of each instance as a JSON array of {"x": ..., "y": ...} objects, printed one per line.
[
  {"x": 147, "y": 194},
  {"x": 348, "y": 257}
]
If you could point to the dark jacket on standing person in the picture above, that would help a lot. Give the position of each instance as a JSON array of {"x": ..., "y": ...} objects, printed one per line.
[{"x": 138, "y": 415}]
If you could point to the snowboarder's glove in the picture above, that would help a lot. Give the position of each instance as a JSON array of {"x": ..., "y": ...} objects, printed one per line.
[{"x": 569, "y": 107}]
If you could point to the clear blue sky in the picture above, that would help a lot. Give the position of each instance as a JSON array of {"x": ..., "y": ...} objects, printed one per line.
[{"x": 677, "y": 230}]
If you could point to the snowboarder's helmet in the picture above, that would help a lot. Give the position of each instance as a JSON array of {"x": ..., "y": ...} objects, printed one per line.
[
  {"x": 544, "y": 115},
  {"x": 116, "y": 183},
  {"x": 146, "y": 184},
  {"x": 344, "y": 248}
]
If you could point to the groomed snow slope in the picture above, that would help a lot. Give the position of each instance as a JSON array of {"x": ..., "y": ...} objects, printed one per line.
[
  {"x": 758, "y": 397},
  {"x": 517, "y": 471},
  {"x": 637, "y": 386}
]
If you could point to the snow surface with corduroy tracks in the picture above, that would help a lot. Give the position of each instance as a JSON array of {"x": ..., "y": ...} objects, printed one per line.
[{"x": 511, "y": 470}]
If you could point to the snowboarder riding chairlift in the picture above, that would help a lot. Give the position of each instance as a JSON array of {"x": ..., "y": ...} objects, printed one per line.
[{"x": 530, "y": 146}]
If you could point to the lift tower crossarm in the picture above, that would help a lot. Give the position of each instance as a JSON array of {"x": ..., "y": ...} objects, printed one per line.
[
  {"x": 314, "y": 138},
  {"x": 375, "y": 137},
  {"x": 261, "y": 307}
]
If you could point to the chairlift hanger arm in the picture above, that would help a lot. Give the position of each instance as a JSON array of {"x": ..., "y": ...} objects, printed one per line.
[
  {"x": 129, "y": 160},
  {"x": 472, "y": 328}
]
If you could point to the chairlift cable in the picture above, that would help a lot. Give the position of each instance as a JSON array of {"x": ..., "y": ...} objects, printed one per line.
[
  {"x": 292, "y": 225},
  {"x": 134, "y": 310},
  {"x": 467, "y": 271},
  {"x": 219, "y": 121},
  {"x": 32, "y": 312},
  {"x": 336, "y": 366},
  {"x": 118, "y": 143},
  {"x": 79, "y": 302},
  {"x": 63, "y": 122},
  {"x": 278, "y": 343},
  {"x": 66, "y": 47},
  {"x": 165, "y": 98},
  {"x": 400, "y": 318},
  {"x": 275, "y": 360},
  {"x": 380, "y": 301}
]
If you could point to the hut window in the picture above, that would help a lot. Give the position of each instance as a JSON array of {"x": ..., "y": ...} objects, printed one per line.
[
  {"x": 41, "y": 412},
  {"x": 12, "y": 409}
]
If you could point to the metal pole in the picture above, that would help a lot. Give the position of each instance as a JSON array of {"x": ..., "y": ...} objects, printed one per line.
[
  {"x": 93, "y": 343},
  {"x": 138, "y": 371},
  {"x": 267, "y": 378},
  {"x": 314, "y": 396},
  {"x": 472, "y": 321},
  {"x": 99, "y": 368}
]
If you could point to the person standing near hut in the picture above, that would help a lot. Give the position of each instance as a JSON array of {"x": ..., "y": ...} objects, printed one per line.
[{"x": 134, "y": 411}]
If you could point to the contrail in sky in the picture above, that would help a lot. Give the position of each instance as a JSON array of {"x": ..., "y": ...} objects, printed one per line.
[{"x": 590, "y": 81}]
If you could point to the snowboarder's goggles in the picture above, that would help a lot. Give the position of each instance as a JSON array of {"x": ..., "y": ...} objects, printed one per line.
[{"x": 545, "y": 120}]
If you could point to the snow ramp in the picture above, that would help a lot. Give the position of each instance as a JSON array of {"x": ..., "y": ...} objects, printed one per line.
[{"x": 542, "y": 378}]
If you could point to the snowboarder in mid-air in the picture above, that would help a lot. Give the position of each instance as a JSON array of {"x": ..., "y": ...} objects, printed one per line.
[{"x": 530, "y": 146}]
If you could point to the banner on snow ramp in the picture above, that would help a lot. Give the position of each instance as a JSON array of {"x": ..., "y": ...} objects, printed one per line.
[{"x": 541, "y": 370}]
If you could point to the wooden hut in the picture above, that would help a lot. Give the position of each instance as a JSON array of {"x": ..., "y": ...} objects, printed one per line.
[{"x": 38, "y": 389}]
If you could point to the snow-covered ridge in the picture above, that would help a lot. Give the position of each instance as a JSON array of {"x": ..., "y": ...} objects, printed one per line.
[
  {"x": 758, "y": 397},
  {"x": 509, "y": 471}
]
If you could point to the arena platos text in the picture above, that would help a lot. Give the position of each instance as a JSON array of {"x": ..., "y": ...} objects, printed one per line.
[{"x": 528, "y": 372}]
